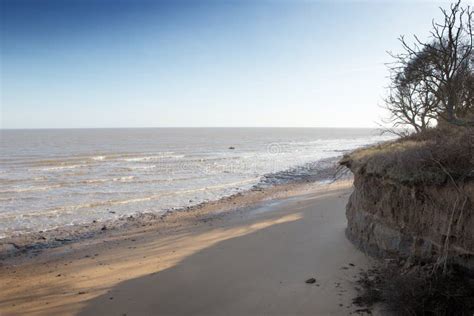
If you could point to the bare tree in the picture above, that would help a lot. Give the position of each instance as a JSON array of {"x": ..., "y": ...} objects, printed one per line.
[
  {"x": 410, "y": 103},
  {"x": 435, "y": 79}
]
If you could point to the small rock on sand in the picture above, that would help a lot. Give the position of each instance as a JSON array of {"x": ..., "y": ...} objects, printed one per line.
[{"x": 311, "y": 281}]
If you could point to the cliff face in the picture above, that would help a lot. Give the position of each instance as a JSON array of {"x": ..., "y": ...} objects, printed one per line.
[{"x": 395, "y": 211}]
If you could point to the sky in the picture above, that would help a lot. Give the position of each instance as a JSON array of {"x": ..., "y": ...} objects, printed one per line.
[{"x": 143, "y": 63}]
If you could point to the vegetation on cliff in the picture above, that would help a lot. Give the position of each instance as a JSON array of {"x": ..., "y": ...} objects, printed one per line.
[
  {"x": 437, "y": 156},
  {"x": 414, "y": 197},
  {"x": 431, "y": 106}
]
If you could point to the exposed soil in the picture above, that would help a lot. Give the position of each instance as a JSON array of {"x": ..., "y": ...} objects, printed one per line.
[{"x": 417, "y": 288}]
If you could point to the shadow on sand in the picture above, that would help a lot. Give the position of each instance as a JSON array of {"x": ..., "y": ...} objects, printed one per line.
[{"x": 262, "y": 272}]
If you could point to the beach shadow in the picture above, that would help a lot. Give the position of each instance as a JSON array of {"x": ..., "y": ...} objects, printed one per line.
[{"x": 262, "y": 272}]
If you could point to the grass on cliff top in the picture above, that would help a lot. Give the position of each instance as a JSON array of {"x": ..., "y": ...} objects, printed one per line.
[{"x": 431, "y": 157}]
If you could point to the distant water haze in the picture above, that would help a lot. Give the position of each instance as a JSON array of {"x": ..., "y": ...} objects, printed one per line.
[{"x": 54, "y": 178}]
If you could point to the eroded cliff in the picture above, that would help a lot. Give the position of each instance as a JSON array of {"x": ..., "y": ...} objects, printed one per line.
[{"x": 415, "y": 197}]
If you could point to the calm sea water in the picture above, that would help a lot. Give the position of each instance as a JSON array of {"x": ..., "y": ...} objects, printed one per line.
[{"x": 51, "y": 178}]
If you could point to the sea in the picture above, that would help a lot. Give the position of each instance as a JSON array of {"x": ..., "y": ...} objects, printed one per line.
[{"x": 51, "y": 178}]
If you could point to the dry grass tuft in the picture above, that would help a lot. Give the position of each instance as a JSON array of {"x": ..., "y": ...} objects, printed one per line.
[{"x": 432, "y": 157}]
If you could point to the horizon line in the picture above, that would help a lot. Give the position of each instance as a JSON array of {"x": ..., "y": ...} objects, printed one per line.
[{"x": 190, "y": 127}]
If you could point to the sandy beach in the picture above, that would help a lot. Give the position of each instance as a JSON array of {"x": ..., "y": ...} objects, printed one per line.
[
  {"x": 253, "y": 260},
  {"x": 236, "y": 158}
]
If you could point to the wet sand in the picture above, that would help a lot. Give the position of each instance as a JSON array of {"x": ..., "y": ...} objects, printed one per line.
[{"x": 253, "y": 260}]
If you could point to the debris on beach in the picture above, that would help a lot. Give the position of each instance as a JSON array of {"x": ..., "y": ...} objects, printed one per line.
[{"x": 311, "y": 281}]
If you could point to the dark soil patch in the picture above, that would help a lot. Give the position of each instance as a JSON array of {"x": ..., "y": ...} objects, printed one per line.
[{"x": 418, "y": 289}]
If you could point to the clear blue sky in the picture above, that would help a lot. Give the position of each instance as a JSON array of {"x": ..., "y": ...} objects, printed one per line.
[{"x": 115, "y": 63}]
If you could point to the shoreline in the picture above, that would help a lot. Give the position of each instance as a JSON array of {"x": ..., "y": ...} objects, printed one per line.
[
  {"x": 267, "y": 188},
  {"x": 85, "y": 277}
]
